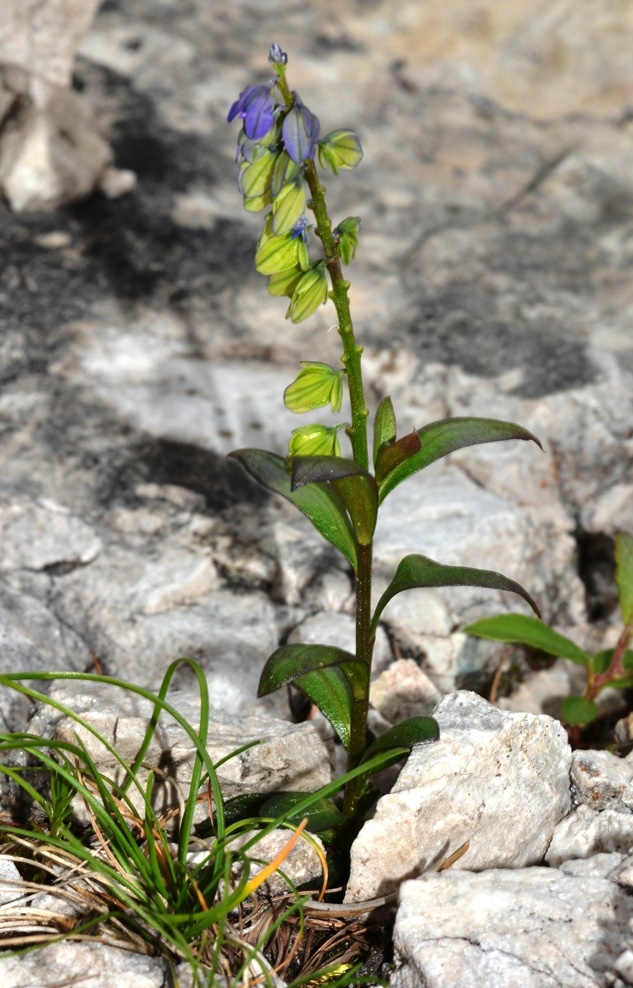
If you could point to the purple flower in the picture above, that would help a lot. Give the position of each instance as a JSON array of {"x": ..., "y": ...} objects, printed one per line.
[
  {"x": 256, "y": 107},
  {"x": 299, "y": 229},
  {"x": 300, "y": 132}
]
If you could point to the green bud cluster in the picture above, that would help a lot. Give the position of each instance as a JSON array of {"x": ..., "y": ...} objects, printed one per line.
[{"x": 278, "y": 140}]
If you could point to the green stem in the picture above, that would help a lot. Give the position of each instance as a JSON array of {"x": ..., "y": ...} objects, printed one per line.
[
  {"x": 357, "y": 432},
  {"x": 340, "y": 286},
  {"x": 364, "y": 650}
]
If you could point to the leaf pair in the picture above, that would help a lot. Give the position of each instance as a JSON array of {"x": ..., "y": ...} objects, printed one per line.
[
  {"x": 332, "y": 678},
  {"x": 341, "y": 499},
  {"x": 396, "y": 460}
]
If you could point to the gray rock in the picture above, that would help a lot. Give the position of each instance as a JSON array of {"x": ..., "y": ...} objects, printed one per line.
[
  {"x": 42, "y": 534},
  {"x": 104, "y": 965},
  {"x": 403, "y": 691},
  {"x": 32, "y": 639},
  {"x": 602, "y": 780},
  {"x": 498, "y": 780},
  {"x": 607, "y": 864},
  {"x": 43, "y": 36},
  {"x": 302, "y": 867},
  {"x": 289, "y": 757},
  {"x": 51, "y": 152},
  {"x": 529, "y": 928},
  {"x": 586, "y": 832},
  {"x": 10, "y": 880}
]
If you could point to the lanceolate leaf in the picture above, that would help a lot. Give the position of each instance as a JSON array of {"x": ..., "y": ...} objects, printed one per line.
[
  {"x": 624, "y": 574},
  {"x": 322, "y": 814},
  {"x": 384, "y": 426},
  {"x": 359, "y": 494},
  {"x": 355, "y": 486},
  {"x": 291, "y": 661},
  {"x": 321, "y": 469},
  {"x": 330, "y": 690},
  {"x": 528, "y": 631},
  {"x": 578, "y": 710},
  {"x": 415, "y": 730},
  {"x": 420, "y": 571},
  {"x": 443, "y": 437},
  {"x": 396, "y": 453},
  {"x": 321, "y": 504}
]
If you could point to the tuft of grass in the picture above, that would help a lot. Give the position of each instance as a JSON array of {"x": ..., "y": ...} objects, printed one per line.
[{"x": 131, "y": 877}]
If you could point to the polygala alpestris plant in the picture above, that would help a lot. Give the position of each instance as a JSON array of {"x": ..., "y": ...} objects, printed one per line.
[{"x": 280, "y": 156}]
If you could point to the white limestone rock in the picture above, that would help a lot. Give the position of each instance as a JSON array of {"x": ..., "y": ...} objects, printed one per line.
[
  {"x": 403, "y": 691},
  {"x": 51, "y": 152},
  {"x": 602, "y": 780},
  {"x": 37, "y": 535},
  {"x": 42, "y": 35},
  {"x": 98, "y": 965},
  {"x": 290, "y": 757},
  {"x": 32, "y": 639},
  {"x": 496, "y": 779},
  {"x": 586, "y": 832},
  {"x": 527, "y": 928},
  {"x": 10, "y": 880},
  {"x": 302, "y": 867}
]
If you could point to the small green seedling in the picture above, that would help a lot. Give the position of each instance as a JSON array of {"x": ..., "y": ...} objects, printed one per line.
[{"x": 611, "y": 667}]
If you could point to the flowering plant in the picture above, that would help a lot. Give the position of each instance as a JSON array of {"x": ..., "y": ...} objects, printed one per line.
[{"x": 279, "y": 152}]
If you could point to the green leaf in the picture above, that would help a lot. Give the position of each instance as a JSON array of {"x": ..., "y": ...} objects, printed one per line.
[
  {"x": 384, "y": 426},
  {"x": 289, "y": 662},
  {"x": 578, "y": 710},
  {"x": 321, "y": 504},
  {"x": 331, "y": 691},
  {"x": 528, "y": 631},
  {"x": 395, "y": 454},
  {"x": 322, "y": 814},
  {"x": 415, "y": 730},
  {"x": 356, "y": 487},
  {"x": 624, "y": 574},
  {"x": 420, "y": 571},
  {"x": 241, "y": 807},
  {"x": 322, "y": 469},
  {"x": 443, "y": 437}
]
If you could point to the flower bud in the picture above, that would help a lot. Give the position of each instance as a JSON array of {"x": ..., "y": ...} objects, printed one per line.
[
  {"x": 288, "y": 207},
  {"x": 285, "y": 282},
  {"x": 316, "y": 385},
  {"x": 254, "y": 178},
  {"x": 277, "y": 55},
  {"x": 347, "y": 234},
  {"x": 285, "y": 170},
  {"x": 281, "y": 253},
  {"x": 315, "y": 440},
  {"x": 340, "y": 149},
  {"x": 300, "y": 131},
  {"x": 310, "y": 293}
]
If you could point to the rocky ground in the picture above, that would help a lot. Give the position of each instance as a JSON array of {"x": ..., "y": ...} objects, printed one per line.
[{"x": 139, "y": 346}]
